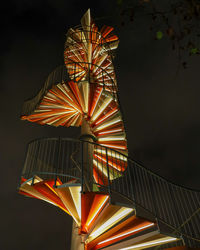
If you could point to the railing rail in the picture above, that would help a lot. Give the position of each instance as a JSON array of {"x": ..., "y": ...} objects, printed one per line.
[{"x": 175, "y": 207}]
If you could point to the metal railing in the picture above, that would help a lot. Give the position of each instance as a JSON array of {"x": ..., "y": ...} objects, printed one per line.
[
  {"x": 176, "y": 209},
  {"x": 64, "y": 73},
  {"x": 78, "y": 34}
]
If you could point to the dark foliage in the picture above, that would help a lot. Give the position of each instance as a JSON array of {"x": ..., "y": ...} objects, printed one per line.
[{"x": 175, "y": 20}]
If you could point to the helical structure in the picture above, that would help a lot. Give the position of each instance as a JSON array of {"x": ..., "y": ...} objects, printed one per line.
[{"x": 113, "y": 200}]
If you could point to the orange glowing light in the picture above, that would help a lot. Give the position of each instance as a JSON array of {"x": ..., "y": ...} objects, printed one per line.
[
  {"x": 96, "y": 210},
  {"x": 89, "y": 95},
  {"x": 92, "y": 204}
]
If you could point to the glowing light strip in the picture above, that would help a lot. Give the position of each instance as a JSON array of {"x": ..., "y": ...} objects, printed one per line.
[
  {"x": 107, "y": 124},
  {"x": 112, "y": 138},
  {"x": 48, "y": 98},
  {"x": 76, "y": 196},
  {"x": 110, "y": 163},
  {"x": 53, "y": 106},
  {"x": 65, "y": 101},
  {"x": 72, "y": 215},
  {"x": 39, "y": 196},
  {"x": 101, "y": 109},
  {"x": 89, "y": 222},
  {"x": 64, "y": 88},
  {"x": 101, "y": 60},
  {"x": 72, "y": 101},
  {"x": 112, "y": 154},
  {"x": 52, "y": 189},
  {"x": 75, "y": 120},
  {"x": 96, "y": 101},
  {"x": 100, "y": 166},
  {"x": 95, "y": 178},
  {"x": 68, "y": 207},
  {"x": 55, "y": 204},
  {"x": 151, "y": 243},
  {"x": 56, "y": 113},
  {"x": 124, "y": 234},
  {"x": 110, "y": 222},
  {"x": 103, "y": 169},
  {"x": 114, "y": 146},
  {"x": 39, "y": 111},
  {"x": 106, "y": 116},
  {"x": 110, "y": 131}
]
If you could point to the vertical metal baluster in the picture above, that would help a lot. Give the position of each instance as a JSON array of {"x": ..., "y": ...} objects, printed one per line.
[
  {"x": 97, "y": 160},
  {"x": 125, "y": 172},
  {"x": 57, "y": 156},
  {"x": 128, "y": 168},
  {"x": 28, "y": 161},
  {"x": 109, "y": 187},
  {"x": 23, "y": 174},
  {"x": 49, "y": 163},
  {"x": 35, "y": 159},
  {"x": 62, "y": 161},
  {"x": 101, "y": 171},
  {"x": 45, "y": 156},
  {"x": 82, "y": 167}
]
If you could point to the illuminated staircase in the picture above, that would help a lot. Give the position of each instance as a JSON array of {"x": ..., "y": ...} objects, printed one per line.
[
  {"x": 102, "y": 223},
  {"x": 115, "y": 202}
]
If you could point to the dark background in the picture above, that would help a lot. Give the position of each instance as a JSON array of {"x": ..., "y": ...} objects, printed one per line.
[{"x": 161, "y": 108}]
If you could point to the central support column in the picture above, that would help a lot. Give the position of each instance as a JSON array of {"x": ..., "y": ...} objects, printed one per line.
[
  {"x": 77, "y": 241},
  {"x": 88, "y": 149}
]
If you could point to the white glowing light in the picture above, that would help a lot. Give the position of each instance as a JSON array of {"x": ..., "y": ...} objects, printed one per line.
[
  {"x": 96, "y": 101},
  {"x": 107, "y": 124},
  {"x": 101, "y": 109},
  {"x": 88, "y": 223},
  {"x": 119, "y": 215},
  {"x": 114, "y": 146},
  {"x": 124, "y": 234},
  {"x": 112, "y": 154},
  {"x": 151, "y": 243},
  {"x": 100, "y": 167},
  {"x": 106, "y": 116},
  {"x": 112, "y": 138},
  {"x": 76, "y": 196},
  {"x": 110, "y": 131}
]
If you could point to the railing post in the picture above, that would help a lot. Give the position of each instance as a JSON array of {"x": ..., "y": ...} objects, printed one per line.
[
  {"x": 129, "y": 174},
  {"x": 57, "y": 159},
  {"x": 82, "y": 166},
  {"x": 36, "y": 151},
  {"x": 109, "y": 185},
  {"x": 33, "y": 179}
]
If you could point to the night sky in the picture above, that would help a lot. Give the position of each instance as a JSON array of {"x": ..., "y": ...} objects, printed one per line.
[{"x": 161, "y": 108}]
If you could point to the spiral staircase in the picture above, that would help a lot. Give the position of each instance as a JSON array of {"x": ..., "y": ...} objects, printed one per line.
[{"x": 115, "y": 202}]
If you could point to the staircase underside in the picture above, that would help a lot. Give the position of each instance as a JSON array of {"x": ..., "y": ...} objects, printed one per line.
[{"x": 103, "y": 222}]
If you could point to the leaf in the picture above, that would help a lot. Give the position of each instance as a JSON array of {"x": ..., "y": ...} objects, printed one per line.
[
  {"x": 159, "y": 35},
  {"x": 194, "y": 51}
]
